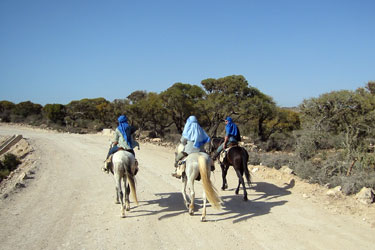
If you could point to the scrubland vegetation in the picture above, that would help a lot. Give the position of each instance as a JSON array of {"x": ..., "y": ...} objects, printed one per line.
[{"x": 327, "y": 140}]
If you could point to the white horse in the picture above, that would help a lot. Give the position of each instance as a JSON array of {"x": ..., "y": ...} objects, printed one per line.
[
  {"x": 124, "y": 170},
  {"x": 198, "y": 164}
]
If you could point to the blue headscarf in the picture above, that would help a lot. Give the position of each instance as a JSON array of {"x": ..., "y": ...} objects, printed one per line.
[
  {"x": 124, "y": 128},
  {"x": 194, "y": 132},
  {"x": 231, "y": 128}
]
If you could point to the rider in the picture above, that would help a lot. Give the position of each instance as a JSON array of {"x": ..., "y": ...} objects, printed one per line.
[
  {"x": 193, "y": 138},
  {"x": 232, "y": 135},
  {"x": 123, "y": 140}
]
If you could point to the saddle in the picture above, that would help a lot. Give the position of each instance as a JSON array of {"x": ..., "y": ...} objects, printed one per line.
[
  {"x": 224, "y": 153},
  {"x": 181, "y": 166},
  {"x": 108, "y": 166}
]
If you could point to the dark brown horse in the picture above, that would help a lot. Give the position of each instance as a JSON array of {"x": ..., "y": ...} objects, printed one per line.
[{"x": 237, "y": 157}]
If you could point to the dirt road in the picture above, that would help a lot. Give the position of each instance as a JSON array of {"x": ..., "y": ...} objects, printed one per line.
[{"x": 68, "y": 203}]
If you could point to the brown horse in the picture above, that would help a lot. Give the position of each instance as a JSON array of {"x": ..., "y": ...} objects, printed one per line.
[{"x": 237, "y": 157}]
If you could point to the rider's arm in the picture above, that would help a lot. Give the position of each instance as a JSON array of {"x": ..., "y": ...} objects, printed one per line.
[
  {"x": 183, "y": 140},
  {"x": 116, "y": 137},
  {"x": 226, "y": 141}
]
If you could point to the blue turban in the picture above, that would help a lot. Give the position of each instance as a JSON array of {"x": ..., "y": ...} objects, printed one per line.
[
  {"x": 231, "y": 128},
  {"x": 125, "y": 129},
  {"x": 194, "y": 132}
]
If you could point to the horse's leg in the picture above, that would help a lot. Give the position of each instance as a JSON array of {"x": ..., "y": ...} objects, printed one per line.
[
  {"x": 203, "y": 218},
  {"x": 117, "y": 200},
  {"x": 238, "y": 187},
  {"x": 183, "y": 191},
  {"x": 224, "y": 171},
  {"x": 119, "y": 193},
  {"x": 245, "y": 159},
  {"x": 241, "y": 181},
  {"x": 127, "y": 192},
  {"x": 192, "y": 195}
]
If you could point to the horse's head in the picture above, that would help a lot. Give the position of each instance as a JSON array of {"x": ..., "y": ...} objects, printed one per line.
[{"x": 214, "y": 144}]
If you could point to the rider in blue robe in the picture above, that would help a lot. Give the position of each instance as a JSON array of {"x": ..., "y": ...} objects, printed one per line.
[
  {"x": 193, "y": 138},
  {"x": 123, "y": 139},
  {"x": 232, "y": 135}
]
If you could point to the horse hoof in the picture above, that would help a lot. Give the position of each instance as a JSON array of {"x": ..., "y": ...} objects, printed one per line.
[
  {"x": 117, "y": 202},
  {"x": 203, "y": 219},
  {"x": 222, "y": 188},
  {"x": 236, "y": 192},
  {"x": 191, "y": 212},
  {"x": 123, "y": 216},
  {"x": 245, "y": 198}
]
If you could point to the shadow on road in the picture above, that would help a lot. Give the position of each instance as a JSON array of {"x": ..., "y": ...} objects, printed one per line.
[
  {"x": 259, "y": 202},
  {"x": 171, "y": 204},
  {"x": 233, "y": 207}
]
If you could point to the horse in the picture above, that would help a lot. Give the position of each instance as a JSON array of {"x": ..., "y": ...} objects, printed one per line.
[
  {"x": 237, "y": 157},
  {"x": 124, "y": 169},
  {"x": 198, "y": 166}
]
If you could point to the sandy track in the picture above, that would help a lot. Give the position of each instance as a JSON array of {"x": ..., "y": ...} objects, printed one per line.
[{"x": 69, "y": 204}]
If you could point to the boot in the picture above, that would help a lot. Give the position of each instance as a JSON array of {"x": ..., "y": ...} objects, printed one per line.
[
  {"x": 135, "y": 170},
  {"x": 213, "y": 166},
  {"x": 215, "y": 156},
  {"x": 105, "y": 169},
  {"x": 107, "y": 164},
  {"x": 175, "y": 174}
]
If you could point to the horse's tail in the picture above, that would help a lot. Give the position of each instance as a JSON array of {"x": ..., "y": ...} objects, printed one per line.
[
  {"x": 209, "y": 189},
  {"x": 131, "y": 179},
  {"x": 246, "y": 169}
]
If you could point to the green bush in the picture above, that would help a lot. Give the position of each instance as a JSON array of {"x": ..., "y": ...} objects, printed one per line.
[
  {"x": 8, "y": 164},
  {"x": 272, "y": 160},
  {"x": 254, "y": 158},
  {"x": 306, "y": 147},
  {"x": 354, "y": 183},
  {"x": 276, "y": 160},
  {"x": 281, "y": 142}
]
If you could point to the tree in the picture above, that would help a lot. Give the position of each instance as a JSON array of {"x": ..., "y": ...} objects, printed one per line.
[
  {"x": 54, "y": 112},
  {"x": 28, "y": 108},
  {"x": 156, "y": 114},
  {"x": 232, "y": 96},
  {"x": 6, "y": 109},
  {"x": 137, "y": 96},
  {"x": 118, "y": 107},
  {"x": 260, "y": 110},
  {"x": 371, "y": 87},
  {"x": 181, "y": 100},
  {"x": 224, "y": 96},
  {"x": 350, "y": 113},
  {"x": 135, "y": 111}
]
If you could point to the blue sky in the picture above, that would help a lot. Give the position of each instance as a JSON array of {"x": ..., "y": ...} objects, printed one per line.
[{"x": 58, "y": 51}]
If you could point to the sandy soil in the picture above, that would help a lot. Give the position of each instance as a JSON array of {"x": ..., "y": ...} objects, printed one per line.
[{"x": 65, "y": 201}]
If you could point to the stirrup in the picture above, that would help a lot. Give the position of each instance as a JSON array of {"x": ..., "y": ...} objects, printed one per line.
[
  {"x": 212, "y": 167},
  {"x": 176, "y": 175}
]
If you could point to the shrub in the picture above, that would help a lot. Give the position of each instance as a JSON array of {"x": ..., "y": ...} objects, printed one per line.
[
  {"x": 173, "y": 138},
  {"x": 354, "y": 183},
  {"x": 280, "y": 142},
  {"x": 254, "y": 158},
  {"x": 8, "y": 164},
  {"x": 276, "y": 160}
]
